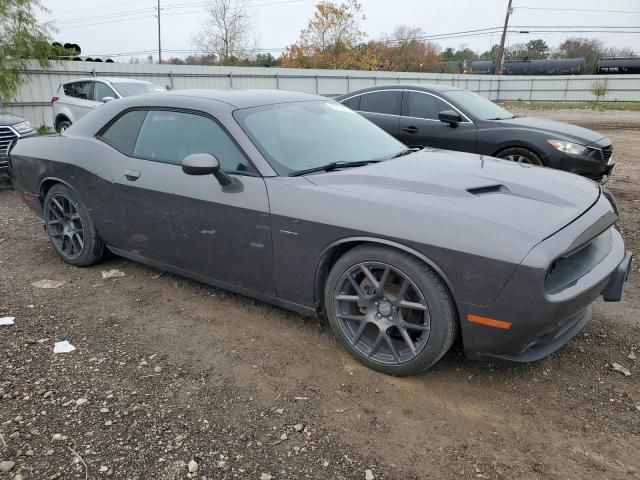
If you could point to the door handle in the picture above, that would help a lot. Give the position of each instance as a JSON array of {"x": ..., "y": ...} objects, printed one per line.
[
  {"x": 132, "y": 175},
  {"x": 410, "y": 130}
]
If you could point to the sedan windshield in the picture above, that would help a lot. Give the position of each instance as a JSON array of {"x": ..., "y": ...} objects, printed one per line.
[
  {"x": 477, "y": 106},
  {"x": 136, "y": 88},
  {"x": 306, "y": 135}
]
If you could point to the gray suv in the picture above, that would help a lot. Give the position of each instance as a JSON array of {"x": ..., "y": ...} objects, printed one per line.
[
  {"x": 11, "y": 128},
  {"x": 75, "y": 99}
]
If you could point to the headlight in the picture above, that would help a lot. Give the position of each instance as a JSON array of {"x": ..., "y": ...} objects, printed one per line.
[
  {"x": 23, "y": 127},
  {"x": 568, "y": 147}
]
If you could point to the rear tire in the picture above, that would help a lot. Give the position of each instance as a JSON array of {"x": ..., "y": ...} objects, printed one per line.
[
  {"x": 390, "y": 311},
  {"x": 520, "y": 155},
  {"x": 63, "y": 125},
  {"x": 70, "y": 229}
]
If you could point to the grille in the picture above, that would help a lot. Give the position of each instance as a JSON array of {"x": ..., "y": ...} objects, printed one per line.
[
  {"x": 606, "y": 152},
  {"x": 7, "y": 136}
]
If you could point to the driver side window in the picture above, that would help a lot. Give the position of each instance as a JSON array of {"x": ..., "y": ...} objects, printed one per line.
[
  {"x": 168, "y": 137},
  {"x": 423, "y": 105}
]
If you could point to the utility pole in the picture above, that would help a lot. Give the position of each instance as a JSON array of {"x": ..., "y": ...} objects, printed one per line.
[
  {"x": 159, "y": 42},
  {"x": 500, "y": 59}
]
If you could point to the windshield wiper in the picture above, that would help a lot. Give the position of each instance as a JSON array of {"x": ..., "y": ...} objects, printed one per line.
[
  {"x": 406, "y": 152},
  {"x": 332, "y": 166}
]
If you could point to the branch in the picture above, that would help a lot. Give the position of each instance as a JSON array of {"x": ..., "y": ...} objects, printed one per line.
[{"x": 86, "y": 469}]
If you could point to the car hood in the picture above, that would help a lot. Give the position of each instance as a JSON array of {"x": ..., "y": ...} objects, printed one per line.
[
  {"x": 534, "y": 201},
  {"x": 9, "y": 119},
  {"x": 566, "y": 131}
]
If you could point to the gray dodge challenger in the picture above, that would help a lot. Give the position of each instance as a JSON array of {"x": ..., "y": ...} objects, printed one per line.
[{"x": 296, "y": 200}]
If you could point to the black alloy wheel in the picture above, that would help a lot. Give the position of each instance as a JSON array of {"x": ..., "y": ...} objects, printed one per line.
[
  {"x": 390, "y": 311},
  {"x": 70, "y": 228},
  {"x": 64, "y": 226}
]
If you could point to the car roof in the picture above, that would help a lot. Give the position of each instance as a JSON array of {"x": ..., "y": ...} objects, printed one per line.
[
  {"x": 245, "y": 98},
  {"x": 107, "y": 79},
  {"x": 424, "y": 87}
]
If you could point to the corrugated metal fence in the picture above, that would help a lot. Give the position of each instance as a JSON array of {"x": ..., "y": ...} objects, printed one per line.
[{"x": 33, "y": 99}]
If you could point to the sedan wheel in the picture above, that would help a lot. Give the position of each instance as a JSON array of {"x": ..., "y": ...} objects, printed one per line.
[
  {"x": 389, "y": 310},
  {"x": 520, "y": 155},
  {"x": 70, "y": 228}
]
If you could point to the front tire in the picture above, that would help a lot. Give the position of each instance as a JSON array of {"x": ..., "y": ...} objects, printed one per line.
[
  {"x": 70, "y": 229},
  {"x": 390, "y": 311},
  {"x": 520, "y": 155}
]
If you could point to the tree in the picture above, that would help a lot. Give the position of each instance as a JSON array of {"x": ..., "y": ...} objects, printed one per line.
[
  {"x": 491, "y": 54},
  {"x": 330, "y": 38},
  {"x": 405, "y": 51},
  {"x": 537, "y": 49},
  {"x": 588, "y": 48},
  {"x": 22, "y": 38},
  {"x": 225, "y": 33}
]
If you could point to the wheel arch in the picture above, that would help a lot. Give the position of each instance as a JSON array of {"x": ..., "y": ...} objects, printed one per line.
[
  {"x": 47, "y": 183},
  {"x": 60, "y": 117},
  {"x": 331, "y": 253}
]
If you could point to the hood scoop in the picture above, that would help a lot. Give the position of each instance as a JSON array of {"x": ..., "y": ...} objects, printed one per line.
[{"x": 488, "y": 190}]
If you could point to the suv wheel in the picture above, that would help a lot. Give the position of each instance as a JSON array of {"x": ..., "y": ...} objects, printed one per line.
[{"x": 63, "y": 125}]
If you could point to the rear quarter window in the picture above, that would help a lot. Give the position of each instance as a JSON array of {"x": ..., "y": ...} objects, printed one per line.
[{"x": 123, "y": 133}]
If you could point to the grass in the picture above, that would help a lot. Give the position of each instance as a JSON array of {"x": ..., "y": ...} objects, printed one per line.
[{"x": 632, "y": 106}]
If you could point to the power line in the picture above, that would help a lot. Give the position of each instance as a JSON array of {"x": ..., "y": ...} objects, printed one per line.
[
  {"x": 575, "y": 10},
  {"x": 93, "y": 20}
]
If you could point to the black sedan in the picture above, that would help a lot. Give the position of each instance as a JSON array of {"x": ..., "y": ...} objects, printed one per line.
[
  {"x": 455, "y": 119},
  {"x": 297, "y": 200}
]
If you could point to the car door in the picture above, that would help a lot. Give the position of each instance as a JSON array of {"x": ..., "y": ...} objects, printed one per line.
[
  {"x": 192, "y": 223},
  {"x": 80, "y": 98},
  {"x": 420, "y": 127},
  {"x": 382, "y": 107},
  {"x": 102, "y": 90}
]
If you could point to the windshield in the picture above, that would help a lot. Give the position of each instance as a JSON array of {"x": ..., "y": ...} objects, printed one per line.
[
  {"x": 302, "y": 135},
  {"x": 478, "y": 106},
  {"x": 134, "y": 88}
]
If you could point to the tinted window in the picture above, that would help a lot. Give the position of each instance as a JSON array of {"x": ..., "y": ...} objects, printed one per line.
[
  {"x": 353, "y": 103},
  {"x": 136, "y": 88},
  {"x": 100, "y": 90},
  {"x": 169, "y": 137},
  {"x": 300, "y": 135},
  {"x": 123, "y": 133},
  {"x": 421, "y": 105},
  {"x": 381, "y": 102},
  {"x": 478, "y": 106},
  {"x": 83, "y": 90}
]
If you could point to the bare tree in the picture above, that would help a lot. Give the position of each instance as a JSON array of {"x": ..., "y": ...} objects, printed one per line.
[{"x": 226, "y": 32}]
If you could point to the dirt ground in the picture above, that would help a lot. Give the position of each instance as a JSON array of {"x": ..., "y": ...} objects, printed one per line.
[{"x": 169, "y": 374}]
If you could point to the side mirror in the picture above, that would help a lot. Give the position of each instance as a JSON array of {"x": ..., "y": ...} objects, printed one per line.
[
  {"x": 451, "y": 117},
  {"x": 107, "y": 99},
  {"x": 204, "y": 164}
]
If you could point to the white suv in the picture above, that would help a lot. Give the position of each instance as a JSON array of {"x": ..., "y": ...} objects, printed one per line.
[{"x": 74, "y": 99}]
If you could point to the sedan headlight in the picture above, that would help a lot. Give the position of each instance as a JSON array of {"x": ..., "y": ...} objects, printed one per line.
[
  {"x": 23, "y": 127},
  {"x": 568, "y": 147}
]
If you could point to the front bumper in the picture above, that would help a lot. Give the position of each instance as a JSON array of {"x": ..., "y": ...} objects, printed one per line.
[
  {"x": 593, "y": 166},
  {"x": 535, "y": 320}
]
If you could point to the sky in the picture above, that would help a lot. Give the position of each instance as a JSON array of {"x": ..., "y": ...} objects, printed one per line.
[{"x": 103, "y": 28}]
